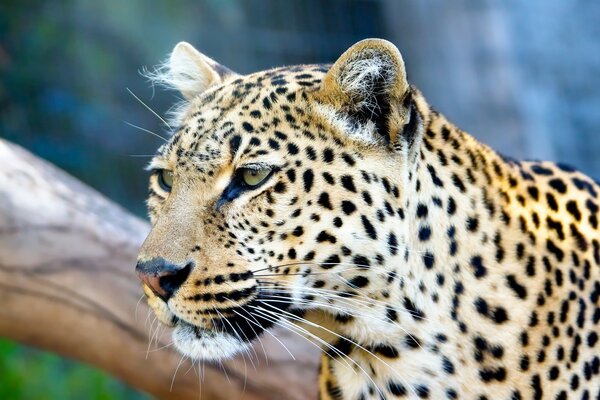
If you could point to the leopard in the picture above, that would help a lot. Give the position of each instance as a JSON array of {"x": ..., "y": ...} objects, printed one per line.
[{"x": 334, "y": 200}]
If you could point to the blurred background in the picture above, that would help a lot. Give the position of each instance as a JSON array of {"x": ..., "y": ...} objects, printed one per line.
[{"x": 523, "y": 77}]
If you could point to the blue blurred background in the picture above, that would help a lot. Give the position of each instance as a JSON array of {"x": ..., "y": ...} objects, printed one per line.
[{"x": 522, "y": 76}]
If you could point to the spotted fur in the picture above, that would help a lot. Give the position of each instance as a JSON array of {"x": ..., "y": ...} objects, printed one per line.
[{"x": 426, "y": 264}]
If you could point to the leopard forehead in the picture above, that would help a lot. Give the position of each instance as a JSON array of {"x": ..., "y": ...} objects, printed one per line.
[
  {"x": 246, "y": 99},
  {"x": 259, "y": 103}
]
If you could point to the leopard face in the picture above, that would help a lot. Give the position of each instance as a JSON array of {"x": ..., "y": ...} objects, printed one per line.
[{"x": 272, "y": 188}]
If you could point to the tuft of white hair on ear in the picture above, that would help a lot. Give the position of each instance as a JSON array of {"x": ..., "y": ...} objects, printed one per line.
[
  {"x": 186, "y": 70},
  {"x": 366, "y": 75},
  {"x": 189, "y": 72},
  {"x": 364, "y": 132}
]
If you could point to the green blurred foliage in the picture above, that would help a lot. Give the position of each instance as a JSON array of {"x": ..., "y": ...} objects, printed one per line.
[{"x": 31, "y": 374}]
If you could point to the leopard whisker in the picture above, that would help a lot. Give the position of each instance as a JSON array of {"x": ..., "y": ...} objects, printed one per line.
[
  {"x": 149, "y": 313},
  {"x": 386, "y": 320},
  {"x": 251, "y": 348},
  {"x": 348, "y": 311},
  {"x": 236, "y": 334},
  {"x": 137, "y": 305},
  {"x": 189, "y": 368},
  {"x": 361, "y": 298},
  {"x": 339, "y": 309},
  {"x": 149, "y": 109},
  {"x": 150, "y": 335},
  {"x": 146, "y": 130},
  {"x": 154, "y": 336},
  {"x": 200, "y": 375},
  {"x": 304, "y": 320},
  {"x": 256, "y": 335},
  {"x": 162, "y": 347},
  {"x": 224, "y": 371},
  {"x": 175, "y": 373},
  {"x": 273, "y": 336},
  {"x": 158, "y": 335},
  {"x": 303, "y": 333},
  {"x": 254, "y": 331}
]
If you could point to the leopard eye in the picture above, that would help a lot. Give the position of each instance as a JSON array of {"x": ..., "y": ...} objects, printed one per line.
[
  {"x": 165, "y": 179},
  {"x": 255, "y": 176}
]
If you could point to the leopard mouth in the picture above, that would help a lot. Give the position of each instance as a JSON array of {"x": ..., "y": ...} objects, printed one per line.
[{"x": 231, "y": 334}]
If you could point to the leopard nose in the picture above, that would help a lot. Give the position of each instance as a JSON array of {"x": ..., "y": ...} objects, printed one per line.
[{"x": 162, "y": 276}]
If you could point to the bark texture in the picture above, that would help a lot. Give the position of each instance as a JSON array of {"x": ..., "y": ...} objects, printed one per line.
[{"x": 67, "y": 284}]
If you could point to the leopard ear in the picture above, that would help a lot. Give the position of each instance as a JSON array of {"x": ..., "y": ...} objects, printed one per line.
[
  {"x": 368, "y": 85},
  {"x": 190, "y": 71}
]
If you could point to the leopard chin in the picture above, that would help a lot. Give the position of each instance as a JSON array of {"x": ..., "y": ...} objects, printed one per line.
[{"x": 202, "y": 344}]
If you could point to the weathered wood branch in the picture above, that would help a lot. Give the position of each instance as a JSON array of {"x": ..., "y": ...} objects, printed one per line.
[{"x": 67, "y": 284}]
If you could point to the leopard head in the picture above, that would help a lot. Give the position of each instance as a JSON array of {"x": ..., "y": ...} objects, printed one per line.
[{"x": 277, "y": 193}]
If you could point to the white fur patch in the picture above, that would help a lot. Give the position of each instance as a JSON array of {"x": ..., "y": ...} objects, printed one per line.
[
  {"x": 187, "y": 71},
  {"x": 364, "y": 132},
  {"x": 200, "y": 344}
]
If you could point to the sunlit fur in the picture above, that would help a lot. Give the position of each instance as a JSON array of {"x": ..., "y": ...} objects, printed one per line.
[{"x": 423, "y": 263}]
